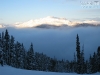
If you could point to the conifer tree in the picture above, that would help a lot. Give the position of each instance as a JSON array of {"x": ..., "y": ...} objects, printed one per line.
[
  {"x": 24, "y": 61},
  {"x": 1, "y": 52},
  {"x": 12, "y": 51},
  {"x": 94, "y": 63},
  {"x": 74, "y": 63},
  {"x": 21, "y": 56},
  {"x": 98, "y": 59},
  {"x": 18, "y": 55},
  {"x": 87, "y": 67},
  {"x": 0, "y": 41},
  {"x": 3, "y": 47},
  {"x": 6, "y": 49},
  {"x": 82, "y": 60},
  {"x": 78, "y": 55},
  {"x": 30, "y": 54}
]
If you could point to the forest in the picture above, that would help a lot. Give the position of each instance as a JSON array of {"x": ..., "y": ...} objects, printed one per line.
[{"x": 14, "y": 54}]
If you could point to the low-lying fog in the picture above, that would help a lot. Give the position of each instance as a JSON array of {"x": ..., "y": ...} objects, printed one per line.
[{"x": 60, "y": 43}]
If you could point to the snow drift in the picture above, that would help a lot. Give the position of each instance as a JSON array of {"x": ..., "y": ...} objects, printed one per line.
[{"x": 7, "y": 70}]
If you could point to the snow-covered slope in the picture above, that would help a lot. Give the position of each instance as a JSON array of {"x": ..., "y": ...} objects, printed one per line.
[{"x": 7, "y": 70}]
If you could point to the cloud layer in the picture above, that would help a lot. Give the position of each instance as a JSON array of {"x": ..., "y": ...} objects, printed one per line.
[
  {"x": 2, "y": 26},
  {"x": 48, "y": 20},
  {"x": 60, "y": 43},
  {"x": 53, "y": 21}
]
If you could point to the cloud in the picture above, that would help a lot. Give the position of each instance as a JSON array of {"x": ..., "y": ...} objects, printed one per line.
[
  {"x": 53, "y": 21},
  {"x": 48, "y": 20},
  {"x": 2, "y": 26},
  {"x": 60, "y": 43},
  {"x": 96, "y": 18},
  {"x": 92, "y": 22}
]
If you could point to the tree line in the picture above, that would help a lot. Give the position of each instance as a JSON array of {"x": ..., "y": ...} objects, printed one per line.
[{"x": 14, "y": 54}]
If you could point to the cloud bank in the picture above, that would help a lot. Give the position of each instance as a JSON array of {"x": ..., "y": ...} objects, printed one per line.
[
  {"x": 60, "y": 43},
  {"x": 53, "y": 21},
  {"x": 2, "y": 26}
]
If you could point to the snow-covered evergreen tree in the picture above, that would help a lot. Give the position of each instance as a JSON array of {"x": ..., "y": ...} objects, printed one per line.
[
  {"x": 12, "y": 51},
  {"x": 1, "y": 52},
  {"x": 30, "y": 55},
  {"x": 78, "y": 55},
  {"x": 94, "y": 63},
  {"x": 82, "y": 60},
  {"x": 18, "y": 55},
  {"x": 98, "y": 59},
  {"x": 6, "y": 48},
  {"x": 23, "y": 57},
  {"x": 75, "y": 63}
]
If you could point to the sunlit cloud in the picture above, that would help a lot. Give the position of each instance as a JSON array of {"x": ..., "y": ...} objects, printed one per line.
[
  {"x": 92, "y": 22},
  {"x": 50, "y": 20},
  {"x": 2, "y": 26}
]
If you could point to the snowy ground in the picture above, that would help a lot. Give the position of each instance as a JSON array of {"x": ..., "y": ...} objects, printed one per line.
[{"x": 7, "y": 70}]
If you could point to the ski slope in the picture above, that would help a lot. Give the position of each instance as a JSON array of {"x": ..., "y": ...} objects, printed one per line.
[{"x": 7, "y": 70}]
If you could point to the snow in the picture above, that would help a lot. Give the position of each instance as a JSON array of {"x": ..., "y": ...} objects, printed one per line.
[{"x": 7, "y": 70}]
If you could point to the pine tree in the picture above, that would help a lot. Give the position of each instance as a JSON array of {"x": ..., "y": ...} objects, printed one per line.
[
  {"x": 1, "y": 52},
  {"x": 74, "y": 63},
  {"x": 78, "y": 55},
  {"x": 30, "y": 54},
  {"x": 82, "y": 60},
  {"x": 0, "y": 41},
  {"x": 12, "y": 51},
  {"x": 98, "y": 59},
  {"x": 36, "y": 61},
  {"x": 3, "y": 48},
  {"x": 68, "y": 66},
  {"x": 18, "y": 55},
  {"x": 1, "y": 56},
  {"x": 90, "y": 64},
  {"x": 23, "y": 57},
  {"x": 53, "y": 63},
  {"x": 94, "y": 63},
  {"x": 25, "y": 60},
  {"x": 6, "y": 49}
]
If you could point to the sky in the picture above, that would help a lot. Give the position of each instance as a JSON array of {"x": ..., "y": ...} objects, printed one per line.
[{"x": 12, "y": 11}]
